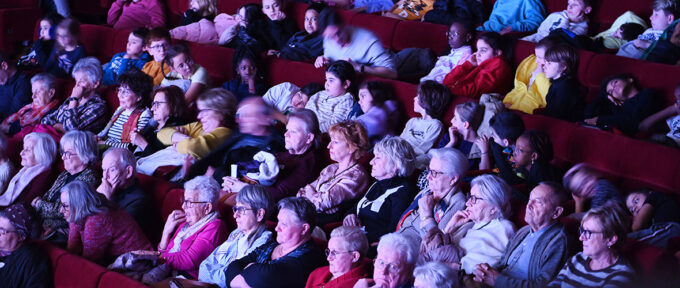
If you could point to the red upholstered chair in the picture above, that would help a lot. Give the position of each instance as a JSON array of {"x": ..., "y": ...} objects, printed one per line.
[
  {"x": 655, "y": 266},
  {"x": 421, "y": 35},
  {"x": 215, "y": 59},
  {"x": 298, "y": 73},
  {"x": 231, "y": 6},
  {"x": 53, "y": 252},
  {"x": 76, "y": 271},
  {"x": 171, "y": 202},
  {"x": 112, "y": 279},
  {"x": 98, "y": 41},
  {"x": 382, "y": 27},
  {"x": 15, "y": 23}
]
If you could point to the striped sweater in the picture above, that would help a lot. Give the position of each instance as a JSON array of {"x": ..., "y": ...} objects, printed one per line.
[
  {"x": 330, "y": 110},
  {"x": 114, "y": 133},
  {"x": 577, "y": 273}
]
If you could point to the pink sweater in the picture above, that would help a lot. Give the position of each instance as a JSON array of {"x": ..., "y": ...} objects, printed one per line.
[
  {"x": 197, "y": 247},
  {"x": 145, "y": 13}
]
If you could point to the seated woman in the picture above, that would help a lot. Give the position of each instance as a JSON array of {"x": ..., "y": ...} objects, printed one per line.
[
  {"x": 253, "y": 207},
  {"x": 216, "y": 110},
  {"x": 341, "y": 183},
  {"x": 564, "y": 100},
  {"x": 531, "y": 86},
  {"x": 307, "y": 44},
  {"x": 460, "y": 35},
  {"x": 379, "y": 210},
  {"x": 299, "y": 164},
  {"x": 248, "y": 79},
  {"x": 486, "y": 71},
  {"x": 532, "y": 154},
  {"x": 191, "y": 234},
  {"x": 621, "y": 105},
  {"x": 603, "y": 232},
  {"x": 434, "y": 274},
  {"x": 436, "y": 205},
  {"x": 79, "y": 153},
  {"x": 132, "y": 114},
  {"x": 35, "y": 175},
  {"x": 346, "y": 255},
  {"x": 286, "y": 262},
  {"x": 185, "y": 73},
  {"x": 481, "y": 232},
  {"x": 97, "y": 231},
  {"x": 333, "y": 104},
  {"x": 656, "y": 217},
  {"x": 6, "y": 165},
  {"x": 24, "y": 264},
  {"x": 380, "y": 116},
  {"x": 167, "y": 110},
  {"x": 44, "y": 102},
  {"x": 589, "y": 188},
  {"x": 84, "y": 109}
]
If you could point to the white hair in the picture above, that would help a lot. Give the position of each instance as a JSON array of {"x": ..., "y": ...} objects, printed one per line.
[
  {"x": 84, "y": 144},
  {"x": 454, "y": 162},
  {"x": 45, "y": 150},
  {"x": 399, "y": 154},
  {"x": 208, "y": 189},
  {"x": 436, "y": 274},
  {"x": 91, "y": 67},
  {"x": 46, "y": 79},
  {"x": 496, "y": 192},
  {"x": 402, "y": 244},
  {"x": 123, "y": 157}
]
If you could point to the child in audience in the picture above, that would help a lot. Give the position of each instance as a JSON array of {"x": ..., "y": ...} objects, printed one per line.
[
  {"x": 486, "y": 71},
  {"x": 380, "y": 115},
  {"x": 199, "y": 9},
  {"x": 613, "y": 37},
  {"x": 574, "y": 19},
  {"x": 368, "y": 6},
  {"x": 656, "y": 217},
  {"x": 279, "y": 27},
  {"x": 130, "y": 14},
  {"x": 66, "y": 50},
  {"x": 564, "y": 100},
  {"x": 132, "y": 113},
  {"x": 663, "y": 14},
  {"x": 671, "y": 115},
  {"x": 41, "y": 47},
  {"x": 514, "y": 15},
  {"x": 157, "y": 43},
  {"x": 531, "y": 86},
  {"x": 506, "y": 127},
  {"x": 251, "y": 30},
  {"x": 410, "y": 9},
  {"x": 460, "y": 35},
  {"x": 431, "y": 102},
  {"x": 134, "y": 56},
  {"x": 463, "y": 135},
  {"x": 248, "y": 81},
  {"x": 334, "y": 103},
  {"x": 287, "y": 96},
  {"x": 185, "y": 73},
  {"x": 306, "y": 44},
  {"x": 532, "y": 155}
]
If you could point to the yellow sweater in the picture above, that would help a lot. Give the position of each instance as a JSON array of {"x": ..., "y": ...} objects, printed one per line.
[
  {"x": 153, "y": 69},
  {"x": 200, "y": 143},
  {"x": 531, "y": 98}
]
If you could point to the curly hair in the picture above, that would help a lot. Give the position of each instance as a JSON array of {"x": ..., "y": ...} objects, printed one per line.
[
  {"x": 354, "y": 134},
  {"x": 540, "y": 143}
]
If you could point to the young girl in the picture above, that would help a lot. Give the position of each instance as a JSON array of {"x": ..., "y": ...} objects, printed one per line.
[
  {"x": 184, "y": 73},
  {"x": 574, "y": 19},
  {"x": 463, "y": 135},
  {"x": 134, "y": 56},
  {"x": 132, "y": 114},
  {"x": 380, "y": 111},
  {"x": 248, "y": 81},
  {"x": 564, "y": 100},
  {"x": 531, "y": 86},
  {"x": 431, "y": 102},
  {"x": 66, "y": 51},
  {"x": 306, "y": 44},
  {"x": 532, "y": 154},
  {"x": 486, "y": 71},
  {"x": 199, "y": 9},
  {"x": 460, "y": 35},
  {"x": 334, "y": 103},
  {"x": 41, "y": 47},
  {"x": 250, "y": 30},
  {"x": 656, "y": 217},
  {"x": 279, "y": 27}
]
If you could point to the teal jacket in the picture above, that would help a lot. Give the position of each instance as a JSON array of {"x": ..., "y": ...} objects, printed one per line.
[{"x": 521, "y": 15}]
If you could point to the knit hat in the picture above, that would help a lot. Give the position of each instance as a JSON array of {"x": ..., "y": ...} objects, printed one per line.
[{"x": 19, "y": 217}]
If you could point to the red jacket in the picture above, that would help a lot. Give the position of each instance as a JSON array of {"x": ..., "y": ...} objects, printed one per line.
[
  {"x": 321, "y": 277},
  {"x": 492, "y": 76}
]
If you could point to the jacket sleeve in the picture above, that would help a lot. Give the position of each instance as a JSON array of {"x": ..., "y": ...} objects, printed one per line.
[
  {"x": 485, "y": 79},
  {"x": 551, "y": 262},
  {"x": 206, "y": 240},
  {"x": 346, "y": 188},
  {"x": 114, "y": 12},
  {"x": 22, "y": 96},
  {"x": 201, "y": 146},
  {"x": 532, "y": 15},
  {"x": 157, "y": 15}
]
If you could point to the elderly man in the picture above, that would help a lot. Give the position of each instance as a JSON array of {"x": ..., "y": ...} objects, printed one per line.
[
  {"x": 537, "y": 251},
  {"x": 15, "y": 88},
  {"x": 393, "y": 267}
]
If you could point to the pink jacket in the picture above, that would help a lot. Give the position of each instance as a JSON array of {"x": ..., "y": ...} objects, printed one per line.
[
  {"x": 145, "y": 13},
  {"x": 197, "y": 247},
  {"x": 204, "y": 31}
]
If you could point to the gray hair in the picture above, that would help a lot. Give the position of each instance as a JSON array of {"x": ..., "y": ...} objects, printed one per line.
[
  {"x": 311, "y": 123},
  {"x": 83, "y": 201},
  {"x": 48, "y": 80},
  {"x": 399, "y": 153},
  {"x": 455, "y": 164},
  {"x": 84, "y": 144},
  {"x": 496, "y": 192},
  {"x": 257, "y": 198},
  {"x": 91, "y": 67},
  {"x": 207, "y": 187},
  {"x": 354, "y": 238},
  {"x": 222, "y": 101},
  {"x": 45, "y": 149},
  {"x": 302, "y": 207},
  {"x": 124, "y": 158},
  {"x": 436, "y": 274},
  {"x": 402, "y": 244}
]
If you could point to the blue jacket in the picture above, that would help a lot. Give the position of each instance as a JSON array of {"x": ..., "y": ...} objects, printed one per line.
[
  {"x": 15, "y": 94},
  {"x": 521, "y": 15},
  {"x": 118, "y": 65}
]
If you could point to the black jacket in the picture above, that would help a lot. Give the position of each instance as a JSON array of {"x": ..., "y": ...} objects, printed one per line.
[{"x": 564, "y": 100}]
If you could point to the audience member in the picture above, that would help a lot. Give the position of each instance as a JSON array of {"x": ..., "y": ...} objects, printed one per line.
[
  {"x": 531, "y": 85},
  {"x": 564, "y": 100},
  {"x": 532, "y": 155},
  {"x": 462, "y": 135},
  {"x": 185, "y": 73},
  {"x": 664, "y": 12},
  {"x": 41, "y": 47},
  {"x": 306, "y": 44},
  {"x": 198, "y": 10},
  {"x": 346, "y": 255},
  {"x": 434, "y": 275},
  {"x": 459, "y": 36},
  {"x": 589, "y": 188},
  {"x": 506, "y": 127},
  {"x": 446, "y": 13},
  {"x": 409, "y": 9},
  {"x": 514, "y": 16},
  {"x": 250, "y": 31},
  {"x": 573, "y": 19},
  {"x": 287, "y": 96},
  {"x": 167, "y": 110},
  {"x": 248, "y": 79},
  {"x": 44, "y": 102},
  {"x": 130, "y": 14},
  {"x": 431, "y": 102},
  {"x": 279, "y": 27},
  {"x": 6, "y": 165},
  {"x": 35, "y": 175},
  {"x": 14, "y": 87},
  {"x": 333, "y": 104},
  {"x": 656, "y": 217},
  {"x": 380, "y": 116},
  {"x": 66, "y": 51},
  {"x": 671, "y": 116},
  {"x": 394, "y": 264},
  {"x": 134, "y": 56},
  {"x": 157, "y": 44}
]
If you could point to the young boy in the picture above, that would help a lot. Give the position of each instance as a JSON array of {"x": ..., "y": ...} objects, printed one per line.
[
  {"x": 157, "y": 42},
  {"x": 506, "y": 127},
  {"x": 134, "y": 56},
  {"x": 574, "y": 19},
  {"x": 460, "y": 36},
  {"x": 664, "y": 13},
  {"x": 431, "y": 102}
]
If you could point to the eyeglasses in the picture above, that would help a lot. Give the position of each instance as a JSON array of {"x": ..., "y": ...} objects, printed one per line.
[
  {"x": 434, "y": 173},
  {"x": 379, "y": 264},
  {"x": 474, "y": 199},
  {"x": 158, "y": 47},
  {"x": 330, "y": 252},
  {"x": 65, "y": 206},
  {"x": 190, "y": 203},
  {"x": 67, "y": 154},
  {"x": 4, "y": 231},
  {"x": 156, "y": 103},
  {"x": 451, "y": 35},
  {"x": 241, "y": 209},
  {"x": 587, "y": 233},
  {"x": 124, "y": 91}
]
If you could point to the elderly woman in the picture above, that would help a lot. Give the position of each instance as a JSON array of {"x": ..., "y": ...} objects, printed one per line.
[
  {"x": 79, "y": 152},
  {"x": 299, "y": 164},
  {"x": 435, "y": 206},
  {"x": 393, "y": 267},
  {"x": 6, "y": 166},
  {"x": 379, "y": 210},
  {"x": 253, "y": 207},
  {"x": 481, "y": 232},
  {"x": 24, "y": 264},
  {"x": 216, "y": 111},
  {"x": 199, "y": 229},
  {"x": 603, "y": 231},
  {"x": 35, "y": 175},
  {"x": 286, "y": 262},
  {"x": 589, "y": 188},
  {"x": 343, "y": 181},
  {"x": 434, "y": 275},
  {"x": 167, "y": 108},
  {"x": 43, "y": 86},
  {"x": 346, "y": 255},
  {"x": 97, "y": 231},
  {"x": 84, "y": 109}
]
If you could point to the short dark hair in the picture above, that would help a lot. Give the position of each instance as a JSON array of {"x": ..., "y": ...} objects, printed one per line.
[
  {"x": 434, "y": 98},
  {"x": 623, "y": 77},
  {"x": 141, "y": 33},
  {"x": 565, "y": 55},
  {"x": 329, "y": 17},
  {"x": 630, "y": 31},
  {"x": 668, "y": 7},
  {"x": 175, "y": 50},
  {"x": 507, "y": 125},
  {"x": 468, "y": 26},
  {"x": 139, "y": 82},
  {"x": 157, "y": 34},
  {"x": 588, "y": 3},
  {"x": 316, "y": 6},
  {"x": 547, "y": 42},
  {"x": 380, "y": 91},
  {"x": 175, "y": 98},
  {"x": 540, "y": 143},
  {"x": 344, "y": 71},
  {"x": 311, "y": 88}
]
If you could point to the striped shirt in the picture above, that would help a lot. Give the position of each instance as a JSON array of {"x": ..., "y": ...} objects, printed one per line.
[
  {"x": 114, "y": 133},
  {"x": 577, "y": 273},
  {"x": 330, "y": 110}
]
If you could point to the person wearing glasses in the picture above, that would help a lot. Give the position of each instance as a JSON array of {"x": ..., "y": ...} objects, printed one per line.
[
  {"x": 602, "y": 232},
  {"x": 537, "y": 251},
  {"x": 460, "y": 35},
  {"x": 532, "y": 154},
  {"x": 393, "y": 267},
  {"x": 35, "y": 175},
  {"x": 346, "y": 255},
  {"x": 253, "y": 207},
  {"x": 167, "y": 110},
  {"x": 286, "y": 262},
  {"x": 79, "y": 153}
]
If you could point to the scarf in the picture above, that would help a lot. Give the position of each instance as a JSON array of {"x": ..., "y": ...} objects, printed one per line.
[
  {"x": 187, "y": 231},
  {"x": 19, "y": 183}
]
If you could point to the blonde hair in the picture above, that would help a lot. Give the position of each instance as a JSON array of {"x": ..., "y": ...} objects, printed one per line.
[
  {"x": 206, "y": 7},
  {"x": 354, "y": 133}
]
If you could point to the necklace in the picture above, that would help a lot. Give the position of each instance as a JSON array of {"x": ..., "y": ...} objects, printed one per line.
[{"x": 336, "y": 174}]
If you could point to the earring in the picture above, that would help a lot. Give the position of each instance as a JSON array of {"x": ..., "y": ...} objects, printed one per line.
[{"x": 532, "y": 161}]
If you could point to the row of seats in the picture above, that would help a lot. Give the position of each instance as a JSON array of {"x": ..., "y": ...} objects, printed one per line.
[{"x": 16, "y": 17}]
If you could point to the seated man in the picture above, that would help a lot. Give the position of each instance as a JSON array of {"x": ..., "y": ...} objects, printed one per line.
[
  {"x": 15, "y": 87},
  {"x": 393, "y": 267},
  {"x": 358, "y": 46},
  {"x": 538, "y": 251}
]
